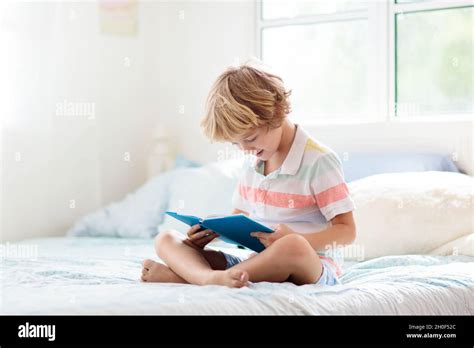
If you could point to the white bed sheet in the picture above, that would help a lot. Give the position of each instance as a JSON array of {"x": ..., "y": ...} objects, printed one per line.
[{"x": 102, "y": 276}]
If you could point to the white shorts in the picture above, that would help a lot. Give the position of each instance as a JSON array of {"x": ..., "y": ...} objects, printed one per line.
[{"x": 329, "y": 275}]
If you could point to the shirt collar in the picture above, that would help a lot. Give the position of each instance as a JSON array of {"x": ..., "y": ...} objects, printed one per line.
[{"x": 293, "y": 159}]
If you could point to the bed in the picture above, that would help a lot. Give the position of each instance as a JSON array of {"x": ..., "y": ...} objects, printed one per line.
[
  {"x": 73, "y": 275},
  {"x": 414, "y": 253}
]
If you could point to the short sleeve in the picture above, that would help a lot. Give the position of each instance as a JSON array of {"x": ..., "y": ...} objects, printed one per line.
[{"x": 329, "y": 187}]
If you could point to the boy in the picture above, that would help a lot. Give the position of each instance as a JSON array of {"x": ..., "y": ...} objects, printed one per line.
[{"x": 295, "y": 185}]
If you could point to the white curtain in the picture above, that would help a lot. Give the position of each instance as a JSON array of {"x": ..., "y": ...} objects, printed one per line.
[{"x": 48, "y": 68}]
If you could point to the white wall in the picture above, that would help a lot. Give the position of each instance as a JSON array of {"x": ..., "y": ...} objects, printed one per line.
[
  {"x": 197, "y": 41},
  {"x": 54, "y": 52}
]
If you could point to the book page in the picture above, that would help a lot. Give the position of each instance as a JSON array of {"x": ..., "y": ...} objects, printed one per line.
[{"x": 215, "y": 216}]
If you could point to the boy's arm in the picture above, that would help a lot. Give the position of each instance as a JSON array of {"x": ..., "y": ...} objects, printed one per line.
[{"x": 342, "y": 231}]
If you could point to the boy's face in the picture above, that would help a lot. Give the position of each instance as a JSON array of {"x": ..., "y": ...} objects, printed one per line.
[{"x": 261, "y": 142}]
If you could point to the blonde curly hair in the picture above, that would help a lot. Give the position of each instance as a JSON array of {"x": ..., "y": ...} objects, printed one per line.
[{"x": 243, "y": 98}]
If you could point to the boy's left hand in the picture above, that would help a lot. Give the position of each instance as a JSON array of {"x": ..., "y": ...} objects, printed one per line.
[{"x": 267, "y": 239}]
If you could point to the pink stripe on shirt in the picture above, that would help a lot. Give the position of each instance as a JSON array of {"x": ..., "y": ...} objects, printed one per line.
[
  {"x": 276, "y": 199},
  {"x": 331, "y": 195}
]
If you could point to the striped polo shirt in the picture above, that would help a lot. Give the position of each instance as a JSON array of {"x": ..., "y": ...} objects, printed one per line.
[{"x": 306, "y": 192}]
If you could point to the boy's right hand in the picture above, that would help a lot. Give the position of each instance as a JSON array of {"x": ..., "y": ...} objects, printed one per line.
[{"x": 199, "y": 238}]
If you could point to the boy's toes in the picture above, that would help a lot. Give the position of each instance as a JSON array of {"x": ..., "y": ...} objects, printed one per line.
[
  {"x": 239, "y": 278},
  {"x": 144, "y": 274},
  {"x": 147, "y": 264}
]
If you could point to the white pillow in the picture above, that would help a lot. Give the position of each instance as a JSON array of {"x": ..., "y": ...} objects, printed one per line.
[
  {"x": 460, "y": 246},
  {"x": 410, "y": 213},
  {"x": 202, "y": 192}
]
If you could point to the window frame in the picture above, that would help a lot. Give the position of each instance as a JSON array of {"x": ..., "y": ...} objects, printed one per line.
[{"x": 381, "y": 17}]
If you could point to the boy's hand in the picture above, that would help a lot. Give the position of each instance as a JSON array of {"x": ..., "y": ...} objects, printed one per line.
[
  {"x": 200, "y": 238},
  {"x": 267, "y": 239}
]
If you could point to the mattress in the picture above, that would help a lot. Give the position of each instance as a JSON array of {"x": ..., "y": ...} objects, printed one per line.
[{"x": 71, "y": 275}]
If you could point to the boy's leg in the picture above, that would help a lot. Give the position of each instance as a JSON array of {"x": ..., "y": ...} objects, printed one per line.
[
  {"x": 192, "y": 264},
  {"x": 290, "y": 258},
  {"x": 157, "y": 272}
]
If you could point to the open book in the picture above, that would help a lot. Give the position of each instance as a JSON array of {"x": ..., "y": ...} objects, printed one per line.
[{"x": 234, "y": 229}]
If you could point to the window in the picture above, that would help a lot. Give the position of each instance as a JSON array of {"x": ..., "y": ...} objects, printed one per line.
[
  {"x": 370, "y": 60},
  {"x": 434, "y": 55},
  {"x": 319, "y": 86},
  {"x": 320, "y": 49},
  {"x": 274, "y": 9}
]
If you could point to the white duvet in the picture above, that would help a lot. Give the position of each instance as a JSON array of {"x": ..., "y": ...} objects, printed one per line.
[{"x": 101, "y": 276}]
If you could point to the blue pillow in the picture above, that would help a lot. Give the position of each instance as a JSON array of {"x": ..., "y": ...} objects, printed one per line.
[
  {"x": 360, "y": 165},
  {"x": 135, "y": 216},
  {"x": 183, "y": 162}
]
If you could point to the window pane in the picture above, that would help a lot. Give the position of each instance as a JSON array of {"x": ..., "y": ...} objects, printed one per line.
[
  {"x": 272, "y": 9},
  {"x": 324, "y": 64},
  {"x": 434, "y": 62}
]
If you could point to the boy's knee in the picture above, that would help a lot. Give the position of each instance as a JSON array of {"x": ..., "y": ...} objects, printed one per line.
[
  {"x": 294, "y": 245},
  {"x": 162, "y": 239}
]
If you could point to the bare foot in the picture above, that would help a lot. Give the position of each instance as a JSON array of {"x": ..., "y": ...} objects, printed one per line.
[
  {"x": 156, "y": 272},
  {"x": 233, "y": 278}
]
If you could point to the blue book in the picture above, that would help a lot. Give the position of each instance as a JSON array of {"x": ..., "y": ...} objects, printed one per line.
[{"x": 233, "y": 229}]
